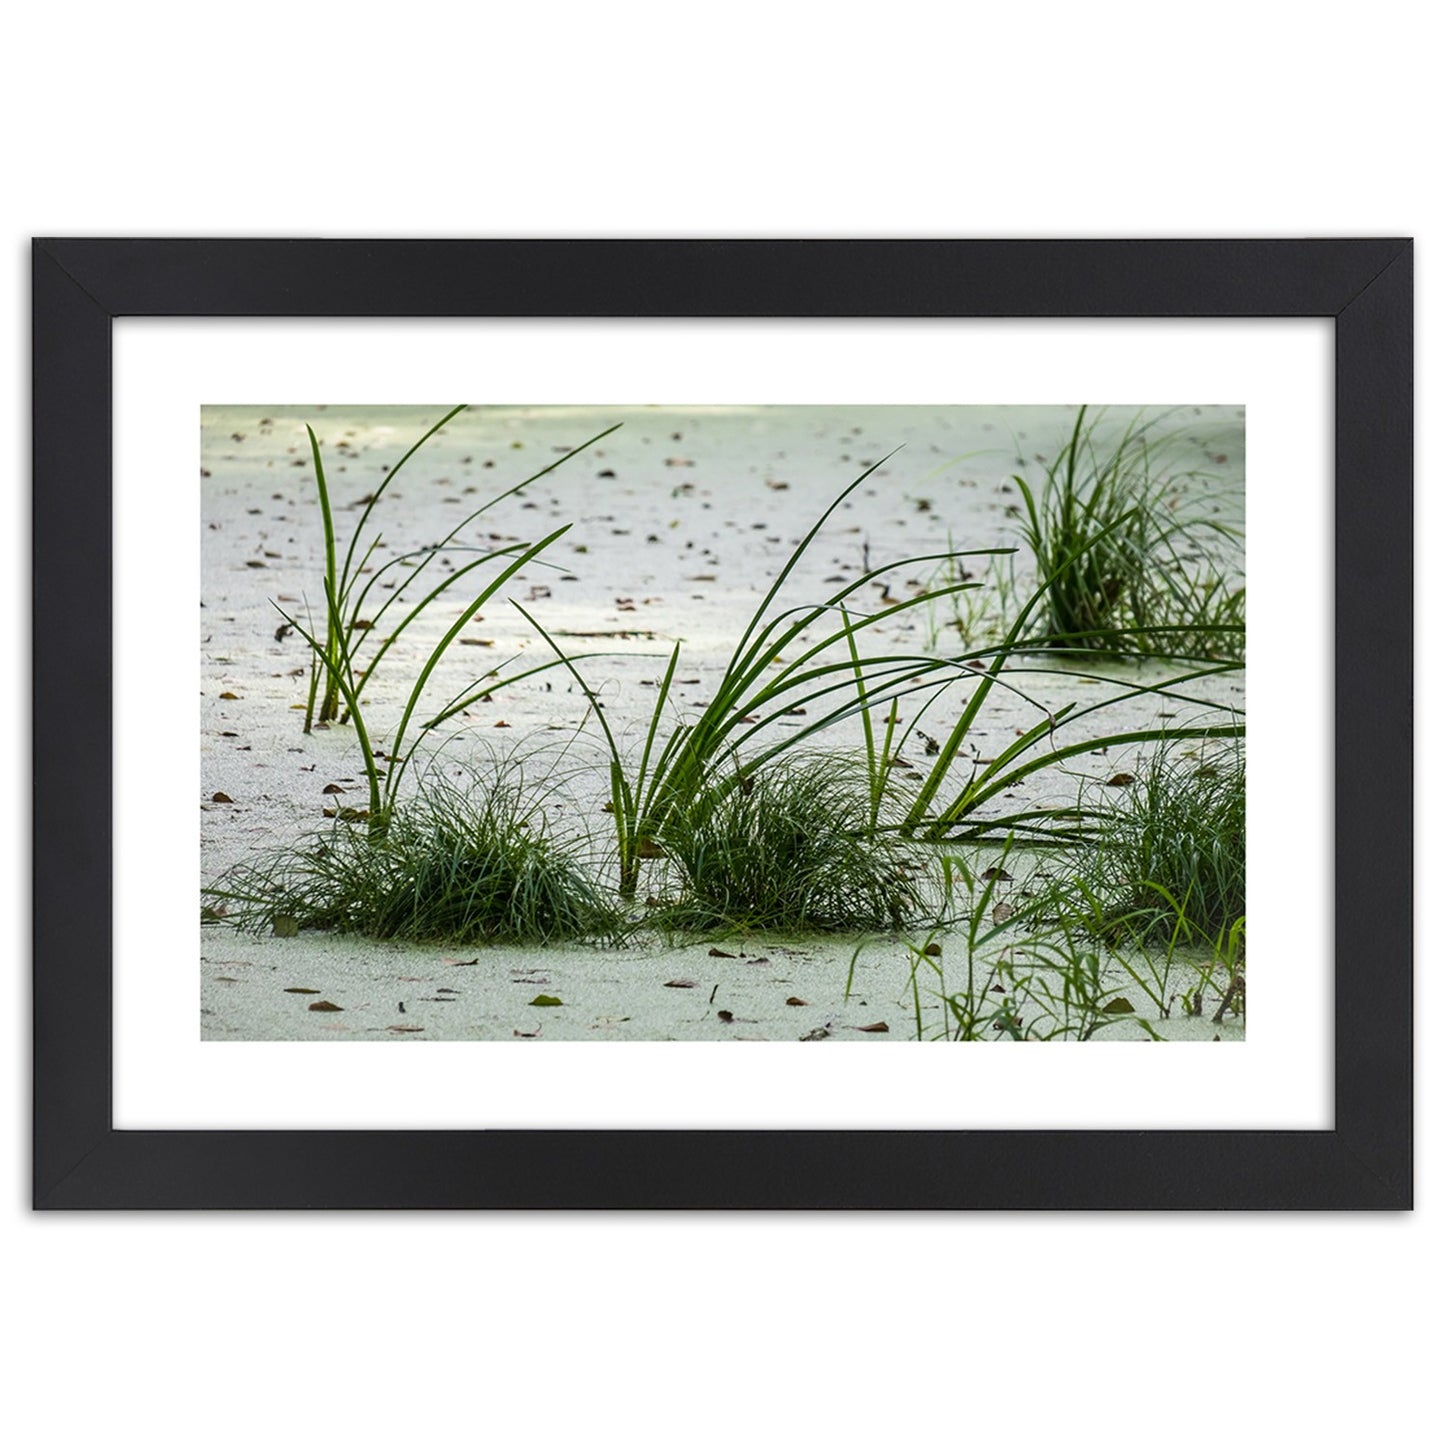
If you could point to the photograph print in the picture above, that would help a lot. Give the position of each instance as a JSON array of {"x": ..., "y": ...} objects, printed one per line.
[{"x": 834, "y": 724}]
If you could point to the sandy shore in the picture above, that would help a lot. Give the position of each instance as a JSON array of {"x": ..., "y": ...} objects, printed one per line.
[{"x": 679, "y": 522}]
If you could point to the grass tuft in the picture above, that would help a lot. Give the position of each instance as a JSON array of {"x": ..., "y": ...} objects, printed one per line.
[
  {"x": 789, "y": 847},
  {"x": 1132, "y": 561},
  {"x": 464, "y": 863},
  {"x": 1169, "y": 856}
]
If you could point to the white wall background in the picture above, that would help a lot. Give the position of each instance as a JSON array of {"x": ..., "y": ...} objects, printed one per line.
[{"x": 655, "y": 119}]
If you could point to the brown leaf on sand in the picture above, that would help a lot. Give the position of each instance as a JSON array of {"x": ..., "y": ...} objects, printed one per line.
[
  {"x": 725, "y": 1015},
  {"x": 222, "y": 798},
  {"x": 230, "y": 697},
  {"x": 1001, "y": 874},
  {"x": 527, "y": 1033},
  {"x": 680, "y": 983},
  {"x": 1118, "y": 1005},
  {"x": 460, "y": 962},
  {"x": 1120, "y": 780},
  {"x": 1002, "y": 912},
  {"x": 302, "y": 990},
  {"x": 283, "y": 926},
  {"x": 879, "y": 1028},
  {"x": 333, "y": 788},
  {"x": 718, "y": 953},
  {"x": 405, "y": 1029},
  {"x": 797, "y": 1003},
  {"x": 325, "y": 1006}
]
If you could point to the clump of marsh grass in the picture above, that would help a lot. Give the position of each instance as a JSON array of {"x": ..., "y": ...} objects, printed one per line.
[
  {"x": 1131, "y": 565},
  {"x": 789, "y": 847},
  {"x": 462, "y": 862},
  {"x": 1168, "y": 860}
]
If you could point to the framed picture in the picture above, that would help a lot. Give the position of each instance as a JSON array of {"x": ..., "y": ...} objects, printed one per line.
[{"x": 678, "y": 431}]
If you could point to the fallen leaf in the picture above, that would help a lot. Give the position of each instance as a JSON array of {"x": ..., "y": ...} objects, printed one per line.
[
  {"x": 718, "y": 953},
  {"x": 527, "y": 1033},
  {"x": 302, "y": 990},
  {"x": 1001, "y": 874},
  {"x": 283, "y": 926},
  {"x": 815, "y": 1035},
  {"x": 460, "y": 962},
  {"x": 1003, "y": 912},
  {"x": 879, "y": 1028},
  {"x": 222, "y": 798},
  {"x": 932, "y": 950},
  {"x": 1120, "y": 780},
  {"x": 797, "y": 1003},
  {"x": 231, "y": 697},
  {"x": 333, "y": 788},
  {"x": 680, "y": 983},
  {"x": 1119, "y": 1005},
  {"x": 725, "y": 1015},
  {"x": 325, "y": 1006},
  {"x": 646, "y": 848},
  {"x": 404, "y": 1029},
  {"x": 546, "y": 1000}
]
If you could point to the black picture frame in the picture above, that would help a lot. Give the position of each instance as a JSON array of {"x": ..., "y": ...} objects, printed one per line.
[{"x": 81, "y": 1161}]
